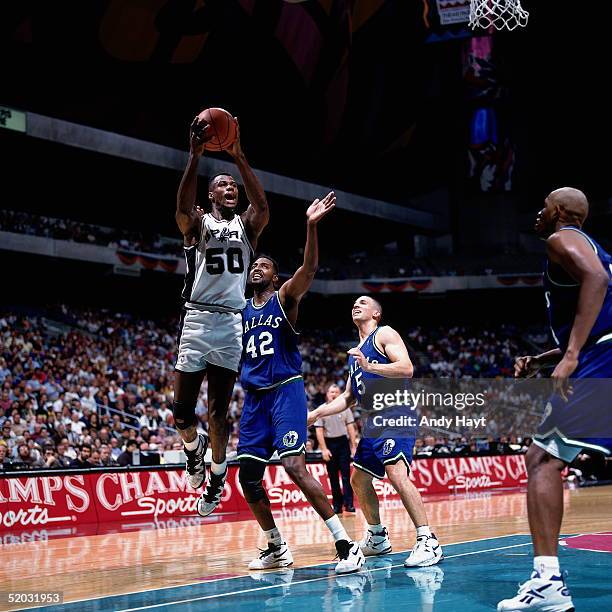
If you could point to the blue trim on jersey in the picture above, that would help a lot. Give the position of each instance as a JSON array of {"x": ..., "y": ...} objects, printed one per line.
[{"x": 562, "y": 294}]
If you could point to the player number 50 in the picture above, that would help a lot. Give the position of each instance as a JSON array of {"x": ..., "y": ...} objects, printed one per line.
[
  {"x": 216, "y": 261},
  {"x": 265, "y": 340}
]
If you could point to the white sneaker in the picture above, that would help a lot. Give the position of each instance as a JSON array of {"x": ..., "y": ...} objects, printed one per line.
[
  {"x": 427, "y": 551},
  {"x": 211, "y": 497},
  {"x": 276, "y": 555},
  {"x": 350, "y": 557},
  {"x": 376, "y": 543},
  {"x": 548, "y": 595},
  {"x": 195, "y": 466}
]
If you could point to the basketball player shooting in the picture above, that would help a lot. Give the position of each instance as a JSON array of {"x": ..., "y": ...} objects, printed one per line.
[
  {"x": 218, "y": 247},
  {"x": 381, "y": 354},
  {"x": 275, "y": 411},
  {"x": 579, "y": 303}
]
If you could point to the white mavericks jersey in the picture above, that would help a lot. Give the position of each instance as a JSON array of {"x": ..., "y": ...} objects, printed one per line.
[{"x": 217, "y": 267}]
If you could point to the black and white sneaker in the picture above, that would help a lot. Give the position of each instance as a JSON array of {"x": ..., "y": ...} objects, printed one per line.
[
  {"x": 276, "y": 555},
  {"x": 350, "y": 558},
  {"x": 427, "y": 551},
  {"x": 195, "y": 466},
  {"x": 211, "y": 497},
  {"x": 376, "y": 543}
]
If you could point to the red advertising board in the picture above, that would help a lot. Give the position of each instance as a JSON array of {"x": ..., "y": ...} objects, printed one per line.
[{"x": 70, "y": 500}]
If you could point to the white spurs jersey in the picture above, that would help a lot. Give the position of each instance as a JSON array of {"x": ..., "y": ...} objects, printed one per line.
[{"x": 218, "y": 266}]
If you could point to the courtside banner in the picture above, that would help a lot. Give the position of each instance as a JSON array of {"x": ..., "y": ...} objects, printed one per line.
[{"x": 66, "y": 501}]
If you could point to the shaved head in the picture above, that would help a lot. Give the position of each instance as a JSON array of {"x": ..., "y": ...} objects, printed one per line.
[
  {"x": 572, "y": 203},
  {"x": 562, "y": 207}
]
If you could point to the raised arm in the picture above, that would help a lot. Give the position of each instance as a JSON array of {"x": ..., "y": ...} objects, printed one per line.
[
  {"x": 257, "y": 214},
  {"x": 294, "y": 289},
  {"x": 576, "y": 256},
  {"x": 393, "y": 346},
  {"x": 342, "y": 402},
  {"x": 187, "y": 217}
]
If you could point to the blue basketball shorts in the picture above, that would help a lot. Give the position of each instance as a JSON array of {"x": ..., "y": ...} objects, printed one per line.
[{"x": 274, "y": 420}]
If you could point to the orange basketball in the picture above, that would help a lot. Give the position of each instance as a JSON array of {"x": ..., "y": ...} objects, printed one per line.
[{"x": 223, "y": 127}]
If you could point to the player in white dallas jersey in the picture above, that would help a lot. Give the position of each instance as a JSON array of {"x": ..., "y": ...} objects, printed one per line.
[{"x": 218, "y": 247}]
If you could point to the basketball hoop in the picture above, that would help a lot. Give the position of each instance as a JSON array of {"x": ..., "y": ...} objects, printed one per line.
[{"x": 499, "y": 14}]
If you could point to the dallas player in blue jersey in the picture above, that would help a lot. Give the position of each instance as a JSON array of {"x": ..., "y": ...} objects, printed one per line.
[
  {"x": 275, "y": 411},
  {"x": 382, "y": 354},
  {"x": 579, "y": 302}
]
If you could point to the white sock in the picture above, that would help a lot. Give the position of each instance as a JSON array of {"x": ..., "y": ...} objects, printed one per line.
[
  {"x": 547, "y": 566},
  {"x": 337, "y": 529},
  {"x": 274, "y": 536},
  {"x": 218, "y": 468},
  {"x": 375, "y": 529},
  {"x": 193, "y": 444},
  {"x": 423, "y": 531}
]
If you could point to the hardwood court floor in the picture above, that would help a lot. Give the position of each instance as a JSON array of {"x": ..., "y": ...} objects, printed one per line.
[{"x": 89, "y": 567}]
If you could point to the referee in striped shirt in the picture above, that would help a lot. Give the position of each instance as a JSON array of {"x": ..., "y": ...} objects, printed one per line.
[{"x": 333, "y": 434}]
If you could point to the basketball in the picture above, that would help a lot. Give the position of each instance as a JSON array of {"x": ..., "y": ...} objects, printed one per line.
[{"x": 223, "y": 126}]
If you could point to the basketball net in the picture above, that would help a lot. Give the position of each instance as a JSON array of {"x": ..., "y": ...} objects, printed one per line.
[{"x": 500, "y": 14}]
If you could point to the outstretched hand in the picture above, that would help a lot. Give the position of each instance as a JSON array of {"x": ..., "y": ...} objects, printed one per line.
[
  {"x": 319, "y": 208},
  {"x": 199, "y": 134}
]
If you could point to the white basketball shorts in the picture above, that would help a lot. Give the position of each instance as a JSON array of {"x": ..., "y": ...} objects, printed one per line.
[{"x": 209, "y": 337}]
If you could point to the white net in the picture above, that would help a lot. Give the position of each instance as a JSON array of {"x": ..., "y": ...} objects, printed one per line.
[{"x": 500, "y": 14}]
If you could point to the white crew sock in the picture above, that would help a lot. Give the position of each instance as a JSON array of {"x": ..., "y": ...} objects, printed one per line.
[
  {"x": 193, "y": 444},
  {"x": 423, "y": 531},
  {"x": 274, "y": 536},
  {"x": 337, "y": 529},
  {"x": 218, "y": 468},
  {"x": 547, "y": 566},
  {"x": 375, "y": 529}
]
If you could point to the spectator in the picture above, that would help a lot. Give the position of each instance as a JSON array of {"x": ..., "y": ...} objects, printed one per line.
[
  {"x": 126, "y": 457},
  {"x": 164, "y": 412},
  {"x": 4, "y": 458},
  {"x": 148, "y": 455},
  {"x": 106, "y": 458},
  {"x": 8, "y": 436},
  {"x": 83, "y": 459},
  {"x": 18, "y": 426},
  {"x": 115, "y": 449},
  {"x": 149, "y": 419},
  {"x": 50, "y": 459},
  {"x": 63, "y": 459},
  {"x": 27, "y": 457}
]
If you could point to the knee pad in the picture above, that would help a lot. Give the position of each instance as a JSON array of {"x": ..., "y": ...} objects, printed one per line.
[
  {"x": 250, "y": 476},
  {"x": 184, "y": 416}
]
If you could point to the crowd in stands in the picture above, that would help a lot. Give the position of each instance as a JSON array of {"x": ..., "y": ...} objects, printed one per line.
[
  {"x": 357, "y": 264},
  {"x": 84, "y": 388},
  {"x": 66, "y": 229}
]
